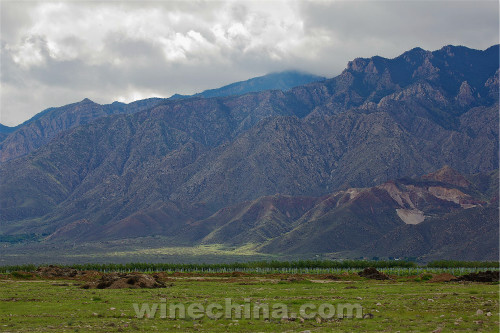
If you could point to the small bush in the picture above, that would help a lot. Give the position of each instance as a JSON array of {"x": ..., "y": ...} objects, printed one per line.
[{"x": 426, "y": 277}]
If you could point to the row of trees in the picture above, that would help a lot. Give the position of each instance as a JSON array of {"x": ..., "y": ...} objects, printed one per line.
[{"x": 264, "y": 265}]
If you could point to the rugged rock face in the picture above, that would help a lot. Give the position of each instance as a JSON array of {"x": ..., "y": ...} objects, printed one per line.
[
  {"x": 465, "y": 95},
  {"x": 166, "y": 167}
]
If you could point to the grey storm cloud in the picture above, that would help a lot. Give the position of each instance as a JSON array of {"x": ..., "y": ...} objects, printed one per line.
[{"x": 58, "y": 52}]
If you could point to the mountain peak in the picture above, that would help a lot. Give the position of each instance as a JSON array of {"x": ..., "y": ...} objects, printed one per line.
[
  {"x": 448, "y": 175},
  {"x": 87, "y": 101},
  {"x": 451, "y": 49},
  {"x": 415, "y": 54},
  {"x": 273, "y": 81}
]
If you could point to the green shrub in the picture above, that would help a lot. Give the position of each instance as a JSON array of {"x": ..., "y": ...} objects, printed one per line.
[{"x": 426, "y": 277}]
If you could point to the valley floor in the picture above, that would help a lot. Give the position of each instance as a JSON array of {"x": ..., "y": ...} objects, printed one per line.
[
  {"x": 406, "y": 304},
  {"x": 146, "y": 249}
]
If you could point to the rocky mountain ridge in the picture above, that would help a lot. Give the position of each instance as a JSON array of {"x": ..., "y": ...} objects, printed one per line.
[
  {"x": 43, "y": 127},
  {"x": 175, "y": 163}
]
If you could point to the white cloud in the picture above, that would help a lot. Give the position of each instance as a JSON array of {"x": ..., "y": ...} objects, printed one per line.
[
  {"x": 30, "y": 52},
  {"x": 63, "y": 51}
]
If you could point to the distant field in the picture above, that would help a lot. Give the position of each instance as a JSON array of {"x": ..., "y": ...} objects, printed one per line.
[
  {"x": 406, "y": 304},
  {"x": 149, "y": 249},
  {"x": 153, "y": 250}
]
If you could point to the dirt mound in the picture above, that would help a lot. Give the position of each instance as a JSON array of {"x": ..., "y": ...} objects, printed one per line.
[
  {"x": 372, "y": 273},
  {"x": 52, "y": 271},
  {"x": 56, "y": 271},
  {"x": 443, "y": 277},
  {"x": 488, "y": 276},
  {"x": 125, "y": 281}
]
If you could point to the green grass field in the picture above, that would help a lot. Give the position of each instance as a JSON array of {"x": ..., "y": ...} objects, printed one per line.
[{"x": 403, "y": 304}]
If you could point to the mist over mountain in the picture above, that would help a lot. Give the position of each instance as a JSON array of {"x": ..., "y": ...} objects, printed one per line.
[
  {"x": 333, "y": 166},
  {"x": 274, "y": 81}
]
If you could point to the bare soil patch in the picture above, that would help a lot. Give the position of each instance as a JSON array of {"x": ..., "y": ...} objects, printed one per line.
[{"x": 443, "y": 277}]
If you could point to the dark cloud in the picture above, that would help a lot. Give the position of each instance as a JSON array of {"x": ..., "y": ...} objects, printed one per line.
[{"x": 54, "y": 53}]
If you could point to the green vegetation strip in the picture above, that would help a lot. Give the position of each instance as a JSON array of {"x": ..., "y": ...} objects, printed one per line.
[{"x": 395, "y": 267}]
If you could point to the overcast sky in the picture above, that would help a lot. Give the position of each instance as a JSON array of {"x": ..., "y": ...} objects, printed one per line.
[{"x": 56, "y": 53}]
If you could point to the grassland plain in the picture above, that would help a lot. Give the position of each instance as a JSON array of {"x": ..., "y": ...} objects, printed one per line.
[
  {"x": 405, "y": 304},
  {"x": 147, "y": 249}
]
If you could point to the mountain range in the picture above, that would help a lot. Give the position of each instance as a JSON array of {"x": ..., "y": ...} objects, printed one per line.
[
  {"x": 44, "y": 126},
  {"x": 393, "y": 157}
]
